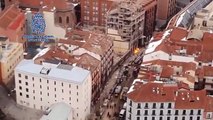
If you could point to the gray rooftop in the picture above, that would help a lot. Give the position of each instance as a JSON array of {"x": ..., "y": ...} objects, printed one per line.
[{"x": 75, "y": 75}]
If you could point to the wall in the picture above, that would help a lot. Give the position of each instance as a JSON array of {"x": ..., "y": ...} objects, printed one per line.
[{"x": 51, "y": 28}]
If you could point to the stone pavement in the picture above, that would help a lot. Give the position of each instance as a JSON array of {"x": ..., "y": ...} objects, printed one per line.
[{"x": 12, "y": 110}]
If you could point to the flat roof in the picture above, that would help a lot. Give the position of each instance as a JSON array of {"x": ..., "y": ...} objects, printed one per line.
[
  {"x": 59, "y": 111},
  {"x": 75, "y": 75}
]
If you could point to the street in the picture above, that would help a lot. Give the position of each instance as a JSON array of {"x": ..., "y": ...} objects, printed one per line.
[{"x": 109, "y": 110}]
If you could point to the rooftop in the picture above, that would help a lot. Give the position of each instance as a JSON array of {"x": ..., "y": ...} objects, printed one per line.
[
  {"x": 169, "y": 92},
  {"x": 75, "y": 75}
]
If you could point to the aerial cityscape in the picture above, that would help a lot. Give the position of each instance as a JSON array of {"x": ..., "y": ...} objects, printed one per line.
[{"x": 106, "y": 60}]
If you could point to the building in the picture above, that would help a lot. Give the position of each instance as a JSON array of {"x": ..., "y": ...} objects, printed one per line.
[
  {"x": 39, "y": 86},
  {"x": 150, "y": 7},
  {"x": 169, "y": 9},
  {"x": 93, "y": 12},
  {"x": 12, "y": 25},
  {"x": 84, "y": 61},
  {"x": 58, "y": 111},
  {"x": 126, "y": 24},
  {"x": 203, "y": 19},
  {"x": 97, "y": 45},
  {"x": 167, "y": 101},
  {"x": 11, "y": 54}
]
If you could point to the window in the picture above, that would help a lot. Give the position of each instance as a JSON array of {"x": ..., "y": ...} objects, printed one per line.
[
  {"x": 154, "y": 105},
  {"x": 176, "y": 112},
  {"x": 40, "y": 93},
  {"x": 170, "y": 105},
  {"x": 54, "y": 82},
  {"x": 67, "y": 19},
  {"x": 60, "y": 20},
  {"x": 168, "y": 118},
  {"x": 169, "y": 112},
  {"x": 145, "y": 118},
  {"x": 138, "y": 118},
  {"x": 161, "y": 105},
  {"x": 55, "y": 89},
  {"x": 198, "y": 118},
  {"x": 153, "y": 112},
  {"x": 183, "y": 118},
  {"x": 77, "y": 87},
  {"x": 146, "y": 112},
  {"x": 153, "y": 118},
  {"x": 40, "y": 86},
  {"x": 26, "y": 77},
  {"x": 33, "y": 78},
  {"x": 20, "y": 88},
  {"x": 62, "y": 84},
  {"x": 69, "y": 85},
  {"x": 176, "y": 118},
  {"x": 55, "y": 95},
  {"x": 77, "y": 100},
  {"x": 139, "y": 105},
  {"x": 199, "y": 112},
  {"x": 27, "y": 96},
  {"x": 41, "y": 99},
  {"x": 26, "y": 83},
  {"x": 191, "y": 118},
  {"x": 146, "y": 105},
  {"x": 161, "y": 112},
  {"x": 138, "y": 112},
  {"x": 19, "y": 75},
  {"x": 19, "y": 81},
  {"x": 204, "y": 23},
  {"x": 27, "y": 90},
  {"x": 47, "y": 81},
  {"x": 130, "y": 103},
  {"x": 20, "y": 94},
  {"x": 191, "y": 112},
  {"x": 62, "y": 90},
  {"x": 77, "y": 93},
  {"x": 184, "y": 112},
  {"x": 40, "y": 79},
  {"x": 130, "y": 110}
]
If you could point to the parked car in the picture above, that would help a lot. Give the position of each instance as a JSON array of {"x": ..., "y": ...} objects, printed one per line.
[
  {"x": 106, "y": 101},
  {"x": 122, "y": 113},
  {"x": 118, "y": 90},
  {"x": 125, "y": 105}
]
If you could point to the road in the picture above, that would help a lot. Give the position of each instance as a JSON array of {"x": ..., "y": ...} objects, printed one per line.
[{"x": 106, "y": 111}]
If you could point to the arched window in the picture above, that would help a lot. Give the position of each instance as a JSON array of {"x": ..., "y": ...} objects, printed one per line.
[
  {"x": 67, "y": 19},
  {"x": 60, "y": 20}
]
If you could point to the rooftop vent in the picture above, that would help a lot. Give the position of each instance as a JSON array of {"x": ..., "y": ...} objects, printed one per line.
[{"x": 45, "y": 71}]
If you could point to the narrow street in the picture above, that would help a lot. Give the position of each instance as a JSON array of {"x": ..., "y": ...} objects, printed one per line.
[{"x": 110, "y": 111}]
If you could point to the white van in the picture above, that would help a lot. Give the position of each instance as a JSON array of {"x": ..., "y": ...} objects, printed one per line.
[{"x": 122, "y": 113}]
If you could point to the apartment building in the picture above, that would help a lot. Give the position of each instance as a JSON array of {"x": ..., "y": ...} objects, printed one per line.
[
  {"x": 165, "y": 10},
  {"x": 182, "y": 46},
  {"x": 39, "y": 86},
  {"x": 150, "y": 7},
  {"x": 97, "y": 45},
  {"x": 11, "y": 54},
  {"x": 93, "y": 12},
  {"x": 167, "y": 101},
  {"x": 12, "y": 25},
  {"x": 126, "y": 24},
  {"x": 85, "y": 61}
]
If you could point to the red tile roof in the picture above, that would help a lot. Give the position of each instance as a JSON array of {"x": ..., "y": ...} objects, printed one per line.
[
  {"x": 164, "y": 92},
  {"x": 11, "y": 18}
]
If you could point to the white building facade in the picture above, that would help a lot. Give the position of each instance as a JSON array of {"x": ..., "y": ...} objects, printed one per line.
[{"x": 39, "y": 87}]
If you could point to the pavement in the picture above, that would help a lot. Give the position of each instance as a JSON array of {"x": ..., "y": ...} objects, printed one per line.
[{"x": 14, "y": 111}]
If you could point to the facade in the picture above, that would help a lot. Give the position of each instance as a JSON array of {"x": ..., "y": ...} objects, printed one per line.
[
  {"x": 84, "y": 61},
  {"x": 150, "y": 7},
  {"x": 126, "y": 24},
  {"x": 93, "y": 12},
  {"x": 11, "y": 54},
  {"x": 167, "y": 101},
  {"x": 12, "y": 24},
  {"x": 58, "y": 111},
  {"x": 169, "y": 9},
  {"x": 40, "y": 86}
]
